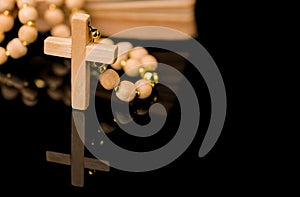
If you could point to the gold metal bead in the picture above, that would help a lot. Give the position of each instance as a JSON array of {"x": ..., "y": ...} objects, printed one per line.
[
  {"x": 30, "y": 23},
  {"x": 52, "y": 6},
  {"x": 91, "y": 172},
  {"x": 102, "y": 68},
  {"x": 8, "y": 75},
  {"x": 94, "y": 34},
  {"x": 25, "y": 43},
  {"x": 152, "y": 84},
  {"x": 151, "y": 76},
  {"x": 148, "y": 76},
  {"x": 116, "y": 89},
  {"x": 138, "y": 93},
  {"x": 142, "y": 71},
  {"x": 155, "y": 78},
  {"x": 25, "y": 84},
  {"x": 123, "y": 63},
  {"x": 7, "y": 53},
  {"x": 74, "y": 10},
  {"x": 6, "y": 13},
  {"x": 40, "y": 83},
  {"x": 25, "y": 5}
]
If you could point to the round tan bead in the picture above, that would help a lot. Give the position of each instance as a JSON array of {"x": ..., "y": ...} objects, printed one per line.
[
  {"x": 3, "y": 57},
  {"x": 28, "y": 34},
  {"x": 7, "y": 5},
  {"x": 144, "y": 88},
  {"x": 149, "y": 62},
  {"x": 117, "y": 64},
  {"x": 131, "y": 67},
  {"x": 20, "y": 3},
  {"x": 106, "y": 41},
  {"x": 7, "y": 23},
  {"x": 71, "y": 4},
  {"x": 16, "y": 48},
  {"x": 2, "y": 37},
  {"x": 54, "y": 17},
  {"x": 109, "y": 79},
  {"x": 27, "y": 14},
  {"x": 124, "y": 47},
  {"x": 61, "y": 30},
  {"x": 126, "y": 91},
  {"x": 138, "y": 52},
  {"x": 41, "y": 25},
  {"x": 56, "y": 2}
]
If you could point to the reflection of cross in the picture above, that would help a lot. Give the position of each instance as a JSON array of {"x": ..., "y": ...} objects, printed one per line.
[
  {"x": 77, "y": 160},
  {"x": 80, "y": 50}
]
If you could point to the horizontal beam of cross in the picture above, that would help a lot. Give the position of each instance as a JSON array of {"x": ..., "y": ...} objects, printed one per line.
[
  {"x": 65, "y": 159},
  {"x": 96, "y": 52}
]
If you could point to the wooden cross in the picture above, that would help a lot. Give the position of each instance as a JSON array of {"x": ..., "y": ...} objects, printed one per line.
[{"x": 80, "y": 49}]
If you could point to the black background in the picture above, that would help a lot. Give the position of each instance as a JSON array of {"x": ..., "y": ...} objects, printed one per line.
[{"x": 28, "y": 132}]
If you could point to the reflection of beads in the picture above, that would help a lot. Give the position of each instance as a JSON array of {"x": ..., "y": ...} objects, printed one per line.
[
  {"x": 52, "y": 80},
  {"x": 134, "y": 61},
  {"x": 11, "y": 86},
  {"x": 27, "y": 34}
]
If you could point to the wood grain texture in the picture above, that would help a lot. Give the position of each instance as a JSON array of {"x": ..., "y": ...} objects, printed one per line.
[
  {"x": 175, "y": 14},
  {"x": 125, "y": 5},
  {"x": 65, "y": 159},
  {"x": 95, "y": 52},
  {"x": 77, "y": 149},
  {"x": 80, "y": 72}
]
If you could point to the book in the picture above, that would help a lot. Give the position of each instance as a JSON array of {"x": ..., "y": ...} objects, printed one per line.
[{"x": 113, "y": 16}]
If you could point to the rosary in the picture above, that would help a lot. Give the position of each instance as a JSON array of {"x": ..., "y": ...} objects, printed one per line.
[
  {"x": 28, "y": 14},
  {"x": 134, "y": 61}
]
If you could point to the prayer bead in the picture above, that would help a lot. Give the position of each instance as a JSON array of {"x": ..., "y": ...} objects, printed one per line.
[
  {"x": 7, "y": 23},
  {"x": 149, "y": 63},
  {"x": 131, "y": 67},
  {"x": 144, "y": 88},
  {"x": 16, "y": 49},
  {"x": 138, "y": 52},
  {"x": 3, "y": 56},
  {"x": 61, "y": 30},
  {"x": 7, "y": 5},
  {"x": 109, "y": 79},
  {"x": 27, "y": 14},
  {"x": 54, "y": 16},
  {"x": 28, "y": 34},
  {"x": 126, "y": 91}
]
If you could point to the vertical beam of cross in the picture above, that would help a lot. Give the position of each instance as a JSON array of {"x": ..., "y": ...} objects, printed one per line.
[
  {"x": 80, "y": 72},
  {"x": 80, "y": 50}
]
